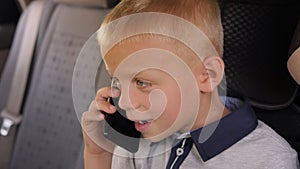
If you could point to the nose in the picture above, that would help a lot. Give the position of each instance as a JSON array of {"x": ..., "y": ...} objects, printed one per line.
[
  {"x": 128, "y": 98},
  {"x": 124, "y": 102}
]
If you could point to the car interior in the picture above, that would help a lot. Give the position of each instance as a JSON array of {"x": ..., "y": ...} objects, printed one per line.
[
  {"x": 9, "y": 13},
  {"x": 259, "y": 38}
]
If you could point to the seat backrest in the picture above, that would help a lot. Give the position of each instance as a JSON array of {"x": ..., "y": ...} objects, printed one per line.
[
  {"x": 49, "y": 136},
  {"x": 294, "y": 60},
  {"x": 257, "y": 37}
]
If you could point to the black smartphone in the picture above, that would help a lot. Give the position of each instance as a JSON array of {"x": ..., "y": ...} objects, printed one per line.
[{"x": 120, "y": 130}]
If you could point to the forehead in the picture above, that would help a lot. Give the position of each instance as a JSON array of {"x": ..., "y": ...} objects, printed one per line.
[{"x": 122, "y": 50}]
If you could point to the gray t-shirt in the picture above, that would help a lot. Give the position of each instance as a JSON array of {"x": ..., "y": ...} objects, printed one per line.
[{"x": 234, "y": 145}]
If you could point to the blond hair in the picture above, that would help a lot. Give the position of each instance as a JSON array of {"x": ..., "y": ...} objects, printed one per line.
[{"x": 205, "y": 14}]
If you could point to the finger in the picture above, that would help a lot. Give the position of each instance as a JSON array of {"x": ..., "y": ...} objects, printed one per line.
[
  {"x": 106, "y": 107},
  {"x": 93, "y": 114},
  {"x": 103, "y": 94},
  {"x": 101, "y": 100}
]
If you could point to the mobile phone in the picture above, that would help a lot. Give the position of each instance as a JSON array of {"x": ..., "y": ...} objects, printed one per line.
[{"x": 120, "y": 130}]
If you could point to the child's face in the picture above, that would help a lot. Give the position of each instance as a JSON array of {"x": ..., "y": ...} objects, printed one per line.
[{"x": 151, "y": 97}]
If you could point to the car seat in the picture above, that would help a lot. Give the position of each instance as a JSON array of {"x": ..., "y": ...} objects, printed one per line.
[
  {"x": 294, "y": 60},
  {"x": 9, "y": 15},
  {"x": 257, "y": 36},
  {"x": 49, "y": 136}
]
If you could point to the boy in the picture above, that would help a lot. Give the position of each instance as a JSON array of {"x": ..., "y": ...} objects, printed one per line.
[{"x": 164, "y": 57}]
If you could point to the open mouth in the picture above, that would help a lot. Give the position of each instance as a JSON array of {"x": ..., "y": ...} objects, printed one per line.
[
  {"x": 143, "y": 121},
  {"x": 142, "y": 125}
]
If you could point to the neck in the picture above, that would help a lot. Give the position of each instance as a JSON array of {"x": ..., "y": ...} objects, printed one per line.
[{"x": 211, "y": 110}]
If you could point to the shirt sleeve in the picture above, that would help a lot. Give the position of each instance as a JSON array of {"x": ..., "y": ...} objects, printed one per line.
[{"x": 290, "y": 162}]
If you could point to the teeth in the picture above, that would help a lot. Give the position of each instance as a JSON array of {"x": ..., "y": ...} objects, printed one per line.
[{"x": 143, "y": 121}]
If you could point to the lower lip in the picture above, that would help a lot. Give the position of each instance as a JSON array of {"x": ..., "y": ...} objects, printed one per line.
[{"x": 142, "y": 127}]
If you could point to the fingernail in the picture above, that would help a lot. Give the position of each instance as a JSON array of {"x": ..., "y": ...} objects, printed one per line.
[
  {"x": 101, "y": 116},
  {"x": 112, "y": 107}
]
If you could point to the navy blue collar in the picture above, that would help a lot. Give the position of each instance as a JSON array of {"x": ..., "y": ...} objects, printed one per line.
[{"x": 232, "y": 128}]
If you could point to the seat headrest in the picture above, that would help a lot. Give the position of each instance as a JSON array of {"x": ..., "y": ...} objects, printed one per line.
[
  {"x": 90, "y": 3},
  {"x": 294, "y": 60},
  {"x": 256, "y": 43},
  {"x": 295, "y": 43}
]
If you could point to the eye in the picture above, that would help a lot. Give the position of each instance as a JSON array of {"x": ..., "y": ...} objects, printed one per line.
[{"x": 142, "y": 84}]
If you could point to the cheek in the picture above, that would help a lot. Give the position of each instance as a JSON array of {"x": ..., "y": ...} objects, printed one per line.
[
  {"x": 138, "y": 100},
  {"x": 158, "y": 102},
  {"x": 172, "y": 108}
]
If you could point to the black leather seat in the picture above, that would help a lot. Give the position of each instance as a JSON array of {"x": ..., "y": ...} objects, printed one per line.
[{"x": 258, "y": 34}]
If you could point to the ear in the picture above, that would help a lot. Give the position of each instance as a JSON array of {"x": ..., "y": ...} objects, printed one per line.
[{"x": 212, "y": 75}]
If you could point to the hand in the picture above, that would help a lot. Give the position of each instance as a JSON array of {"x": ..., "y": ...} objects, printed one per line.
[{"x": 92, "y": 124}]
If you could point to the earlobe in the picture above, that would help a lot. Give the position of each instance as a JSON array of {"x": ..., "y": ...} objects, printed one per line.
[{"x": 213, "y": 75}]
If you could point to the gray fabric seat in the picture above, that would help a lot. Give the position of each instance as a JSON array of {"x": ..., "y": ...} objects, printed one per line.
[{"x": 49, "y": 136}]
